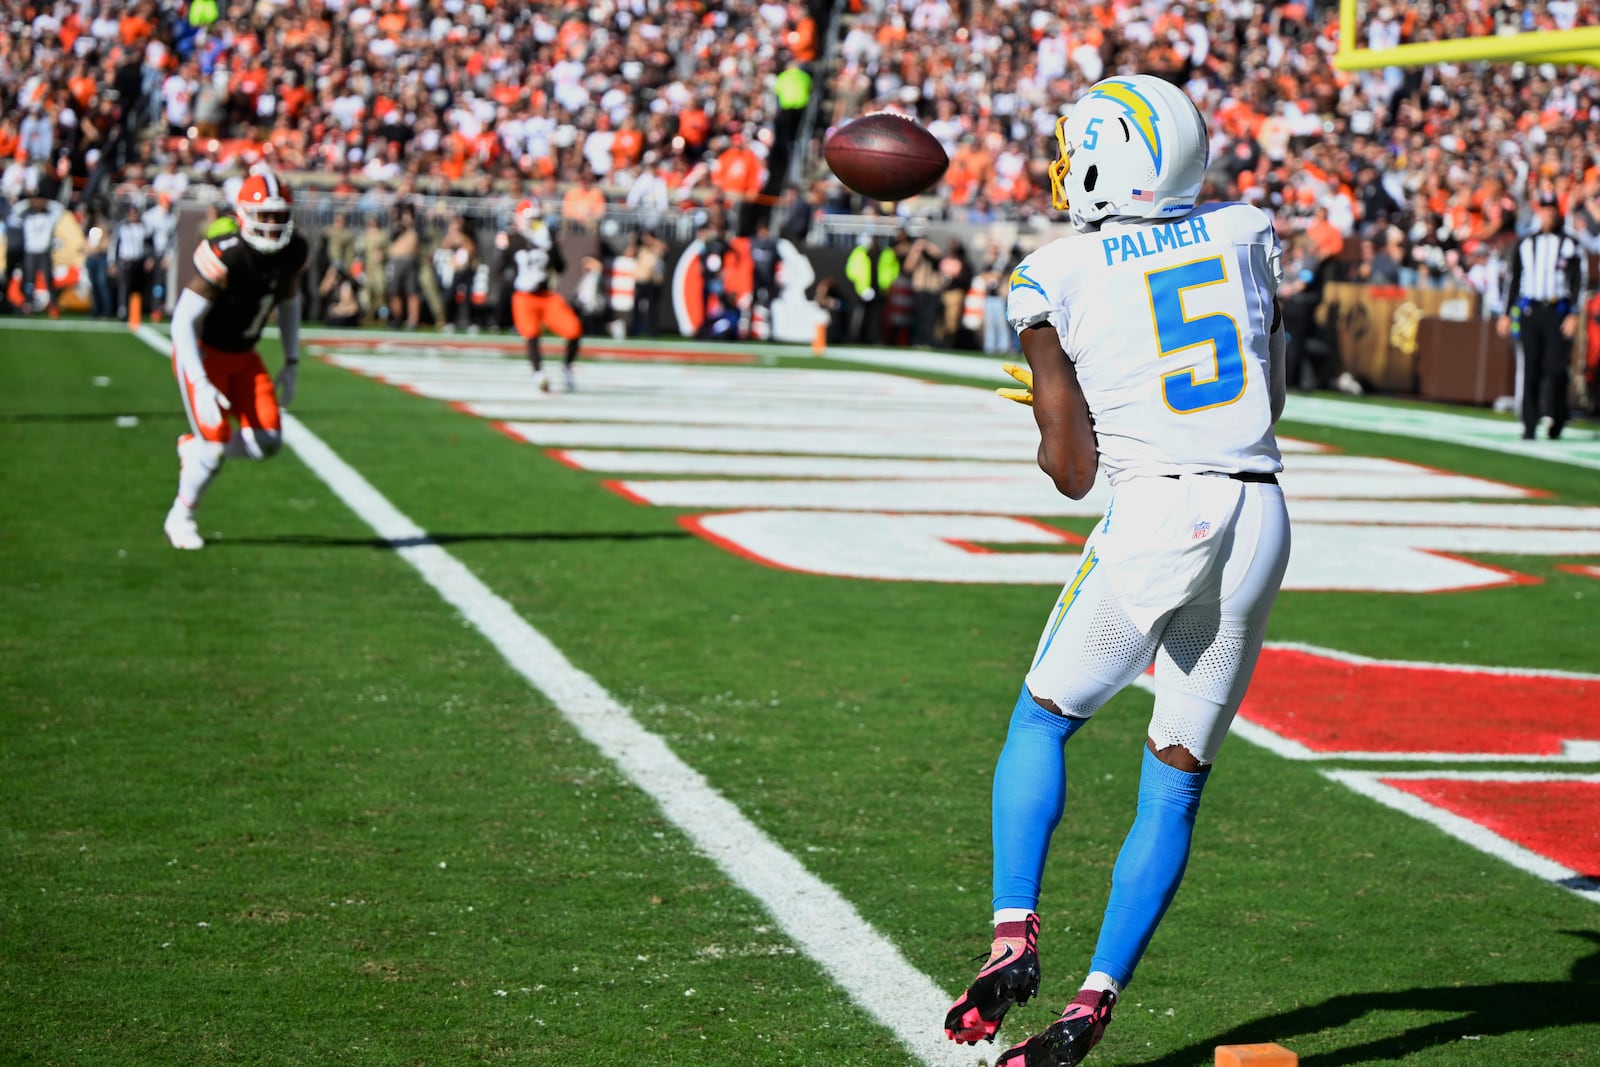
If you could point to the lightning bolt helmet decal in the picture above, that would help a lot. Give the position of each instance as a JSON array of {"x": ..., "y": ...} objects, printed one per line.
[{"x": 1141, "y": 113}]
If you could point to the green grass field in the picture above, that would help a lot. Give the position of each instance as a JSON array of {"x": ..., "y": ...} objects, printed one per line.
[{"x": 277, "y": 803}]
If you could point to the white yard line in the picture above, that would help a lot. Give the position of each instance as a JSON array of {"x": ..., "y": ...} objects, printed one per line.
[
  {"x": 859, "y": 959},
  {"x": 1579, "y": 447},
  {"x": 42, "y": 324}
]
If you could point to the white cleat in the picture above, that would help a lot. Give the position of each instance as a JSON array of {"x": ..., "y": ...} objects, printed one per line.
[
  {"x": 181, "y": 529},
  {"x": 572, "y": 380}
]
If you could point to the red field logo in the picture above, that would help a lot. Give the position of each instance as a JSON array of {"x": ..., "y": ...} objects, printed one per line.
[
  {"x": 1319, "y": 704},
  {"x": 1313, "y": 704}
]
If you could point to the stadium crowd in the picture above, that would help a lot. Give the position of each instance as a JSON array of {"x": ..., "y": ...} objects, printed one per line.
[{"x": 1409, "y": 176}]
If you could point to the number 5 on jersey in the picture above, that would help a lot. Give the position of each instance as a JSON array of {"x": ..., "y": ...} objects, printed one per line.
[{"x": 1184, "y": 392}]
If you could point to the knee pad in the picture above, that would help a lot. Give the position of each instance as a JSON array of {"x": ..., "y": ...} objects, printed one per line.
[
  {"x": 1191, "y": 722},
  {"x": 202, "y": 453}
]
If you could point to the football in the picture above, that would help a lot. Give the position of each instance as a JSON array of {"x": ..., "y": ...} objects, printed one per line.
[{"x": 885, "y": 156}]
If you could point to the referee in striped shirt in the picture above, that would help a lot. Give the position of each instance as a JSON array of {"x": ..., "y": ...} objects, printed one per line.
[{"x": 1545, "y": 284}]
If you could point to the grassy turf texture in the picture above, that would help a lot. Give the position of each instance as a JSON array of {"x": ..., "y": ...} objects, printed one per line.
[{"x": 275, "y": 803}]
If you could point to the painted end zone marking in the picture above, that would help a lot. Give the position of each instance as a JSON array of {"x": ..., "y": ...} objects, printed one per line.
[
  {"x": 622, "y": 490},
  {"x": 560, "y": 455},
  {"x": 599, "y": 353},
  {"x": 1380, "y": 786},
  {"x": 1328, "y": 705},
  {"x": 1067, "y": 538},
  {"x": 857, "y": 541},
  {"x": 1521, "y": 490},
  {"x": 1556, "y": 816},
  {"x": 1282, "y": 741},
  {"x": 811, "y": 912},
  {"x": 1511, "y": 577}
]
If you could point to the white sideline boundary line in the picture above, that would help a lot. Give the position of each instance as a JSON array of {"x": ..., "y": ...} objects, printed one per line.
[{"x": 824, "y": 924}]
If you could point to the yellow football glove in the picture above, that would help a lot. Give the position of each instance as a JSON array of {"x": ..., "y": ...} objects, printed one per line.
[{"x": 1023, "y": 375}]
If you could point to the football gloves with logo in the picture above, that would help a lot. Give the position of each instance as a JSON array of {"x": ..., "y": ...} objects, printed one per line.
[{"x": 1023, "y": 375}]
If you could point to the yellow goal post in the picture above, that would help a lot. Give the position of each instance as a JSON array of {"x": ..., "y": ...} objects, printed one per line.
[{"x": 1579, "y": 46}]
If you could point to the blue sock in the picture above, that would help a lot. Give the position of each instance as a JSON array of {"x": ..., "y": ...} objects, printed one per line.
[
  {"x": 1030, "y": 792},
  {"x": 1150, "y": 865}
]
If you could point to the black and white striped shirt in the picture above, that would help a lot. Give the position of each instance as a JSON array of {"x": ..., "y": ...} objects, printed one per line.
[
  {"x": 1547, "y": 268},
  {"x": 132, "y": 241}
]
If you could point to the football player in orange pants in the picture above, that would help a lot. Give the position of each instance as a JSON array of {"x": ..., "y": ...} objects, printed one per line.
[
  {"x": 531, "y": 260},
  {"x": 216, "y": 325}
]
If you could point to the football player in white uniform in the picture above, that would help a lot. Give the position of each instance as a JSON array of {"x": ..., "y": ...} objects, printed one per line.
[
  {"x": 1154, "y": 350},
  {"x": 242, "y": 274}
]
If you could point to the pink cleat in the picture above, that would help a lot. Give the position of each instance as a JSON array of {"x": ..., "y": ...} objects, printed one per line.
[{"x": 1010, "y": 977}]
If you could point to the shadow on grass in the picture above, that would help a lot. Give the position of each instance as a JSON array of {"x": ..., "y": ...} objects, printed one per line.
[
  {"x": 547, "y": 537},
  {"x": 1486, "y": 1010}
]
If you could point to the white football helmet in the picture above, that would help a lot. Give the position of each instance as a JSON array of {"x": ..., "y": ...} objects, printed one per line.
[
  {"x": 1133, "y": 146},
  {"x": 265, "y": 207}
]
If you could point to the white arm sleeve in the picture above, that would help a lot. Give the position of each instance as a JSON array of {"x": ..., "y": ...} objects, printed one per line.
[
  {"x": 289, "y": 328},
  {"x": 192, "y": 307}
]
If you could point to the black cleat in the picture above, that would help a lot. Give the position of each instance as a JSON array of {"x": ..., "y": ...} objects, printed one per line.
[{"x": 1070, "y": 1038}]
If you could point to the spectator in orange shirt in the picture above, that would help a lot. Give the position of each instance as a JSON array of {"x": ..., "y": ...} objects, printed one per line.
[
  {"x": 802, "y": 38},
  {"x": 970, "y": 169},
  {"x": 1325, "y": 235},
  {"x": 694, "y": 126},
  {"x": 82, "y": 85},
  {"x": 454, "y": 163},
  {"x": 392, "y": 23},
  {"x": 71, "y": 29},
  {"x": 134, "y": 28},
  {"x": 583, "y": 205},
  {"x": 736, "y": 171},
  {"x": 627, "y": 146},
  {"x": 292, "y": 96}
]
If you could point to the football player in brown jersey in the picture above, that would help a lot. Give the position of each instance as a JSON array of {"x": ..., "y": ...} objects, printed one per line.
[
  {"x": 531, "y": 261},
  {"x": 230, "y": 399}
]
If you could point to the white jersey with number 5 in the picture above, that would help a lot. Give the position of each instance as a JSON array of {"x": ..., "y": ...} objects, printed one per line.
[{"x": 1167, "y": 325}]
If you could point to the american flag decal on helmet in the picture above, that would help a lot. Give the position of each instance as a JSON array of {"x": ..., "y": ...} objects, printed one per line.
[{"x": 1143, "y": 194}]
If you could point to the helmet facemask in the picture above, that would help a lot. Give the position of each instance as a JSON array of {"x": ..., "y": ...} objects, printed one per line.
[
  {"x": 267, "y": 226},
  {"x": 265, "y": 207},
  {"x": 1060, "y": 167}
]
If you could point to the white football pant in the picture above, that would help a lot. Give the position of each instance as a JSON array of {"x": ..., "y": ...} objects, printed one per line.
[{"x": 1204, "y": 651}]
